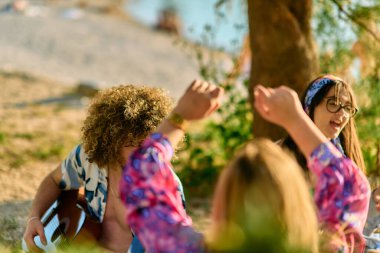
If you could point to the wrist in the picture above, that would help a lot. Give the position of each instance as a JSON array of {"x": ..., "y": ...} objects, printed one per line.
[
  {"x": 177, "y": 120},
  {"x": 32, "y": 218},
  {"x": 35, "y": 213}
]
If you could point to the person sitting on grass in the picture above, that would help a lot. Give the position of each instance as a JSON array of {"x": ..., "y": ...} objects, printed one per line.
[{"x": 118, "y": 120}]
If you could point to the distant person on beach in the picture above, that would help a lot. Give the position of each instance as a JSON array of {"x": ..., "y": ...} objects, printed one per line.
[
  {"x": 169, "y": 21},
  {"x": 118, "y": 120},
  {"x": 17, "y": 6}
]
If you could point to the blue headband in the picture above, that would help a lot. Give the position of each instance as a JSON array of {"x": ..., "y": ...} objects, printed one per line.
[{"x": 314, "y": 89}]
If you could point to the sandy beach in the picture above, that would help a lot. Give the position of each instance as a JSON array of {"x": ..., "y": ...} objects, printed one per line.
[{"x": 69, "y": 44}]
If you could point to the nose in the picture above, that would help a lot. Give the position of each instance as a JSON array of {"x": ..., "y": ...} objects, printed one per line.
[{"x": 343, "y": 112}]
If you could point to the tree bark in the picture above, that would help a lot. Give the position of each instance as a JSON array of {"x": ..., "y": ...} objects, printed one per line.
[{"x": 283, "y": 51}]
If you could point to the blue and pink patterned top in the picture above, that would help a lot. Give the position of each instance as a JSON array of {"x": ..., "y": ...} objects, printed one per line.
[
  {"x": 342, "y": 194},
  {"x": 155, "y": 213}
]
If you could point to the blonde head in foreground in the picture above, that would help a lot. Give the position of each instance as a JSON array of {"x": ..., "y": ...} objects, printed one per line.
[{"x": 261, "y": 202}]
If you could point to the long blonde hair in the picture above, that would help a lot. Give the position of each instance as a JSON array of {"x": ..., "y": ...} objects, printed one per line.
[{"x": 262, "y": 193}]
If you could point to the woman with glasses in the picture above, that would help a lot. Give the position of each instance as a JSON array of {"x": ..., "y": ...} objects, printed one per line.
[
  {"x": 330, "y": 103},
  {"x": 342, "y": 190}
]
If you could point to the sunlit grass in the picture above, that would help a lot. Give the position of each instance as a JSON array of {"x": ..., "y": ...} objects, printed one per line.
[
  {"x": 30, "y": 136},
  {"x": 9, "y": 228}
]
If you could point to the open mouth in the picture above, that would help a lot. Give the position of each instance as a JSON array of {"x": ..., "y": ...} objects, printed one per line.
[{"x": 336, "y": 125}]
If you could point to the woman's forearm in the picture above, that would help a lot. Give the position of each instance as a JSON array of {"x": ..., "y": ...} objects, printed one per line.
[
  {"x": 305, "y": 134},
  {"x": 47, "y": 193},
  {"x": 172, "y": 133}
]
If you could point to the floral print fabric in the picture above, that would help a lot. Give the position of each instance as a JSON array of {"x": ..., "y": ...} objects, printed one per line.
[
  {"x": 154, "y": 208},
  {"x": 155, "y": 214},
  {"x": 342, "y": 193}
]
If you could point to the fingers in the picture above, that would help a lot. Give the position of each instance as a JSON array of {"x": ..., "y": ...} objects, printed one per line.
[
  {"x": 288, "y": 90},
  {"x": 200, "y": 100},
  {"x": 216, "y": 99},
  {"x": 33, "y": 229},
  {"x": 216, "y": 92},
  {"x": 195, "y": 85},
  {"x": 263, "y": 91},
  {"x": 261, "y": 97},
  {"x": 29, "y": 240},
  {"x": 203, "y": 87},
  {"x": 199, "y": 86},
  {"x": 41, "y": 233}
]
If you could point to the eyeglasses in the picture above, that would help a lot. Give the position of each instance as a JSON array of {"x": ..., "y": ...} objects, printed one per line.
[{"x": 334, "y": 107}]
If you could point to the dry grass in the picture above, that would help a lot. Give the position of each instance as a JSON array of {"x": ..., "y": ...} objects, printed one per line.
[{"x": 35, "y": 134}]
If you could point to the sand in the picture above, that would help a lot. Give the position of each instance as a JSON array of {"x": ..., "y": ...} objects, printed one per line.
[{"x": 70, "y": 45}]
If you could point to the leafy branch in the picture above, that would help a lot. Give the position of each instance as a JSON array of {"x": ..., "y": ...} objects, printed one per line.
[{"x": 355, "y": 20}]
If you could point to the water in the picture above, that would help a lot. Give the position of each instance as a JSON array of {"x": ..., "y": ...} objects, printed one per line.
[{"x": 200, "y": 20}]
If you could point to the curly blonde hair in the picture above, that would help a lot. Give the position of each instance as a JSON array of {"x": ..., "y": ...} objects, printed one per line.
[{"x": 122, "y": 116}]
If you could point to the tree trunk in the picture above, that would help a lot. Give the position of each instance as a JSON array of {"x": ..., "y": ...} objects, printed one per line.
[{"x": 283, "y": 51}]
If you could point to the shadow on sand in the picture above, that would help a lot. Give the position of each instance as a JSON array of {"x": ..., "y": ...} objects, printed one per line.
[{"x": 13, "y": 216}]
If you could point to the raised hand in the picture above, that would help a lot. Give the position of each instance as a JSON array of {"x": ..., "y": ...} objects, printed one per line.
[
  {"x": 199, "y": 100},
  {"x": 280, "y": 105}
]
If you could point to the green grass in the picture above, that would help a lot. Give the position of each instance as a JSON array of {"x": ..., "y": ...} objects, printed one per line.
[
  {"x": 2, "y": 138},
  {"x": 44, "y": 153},
  {"x": 26, "y": 136},
  {"x": 9, "y": 227}
]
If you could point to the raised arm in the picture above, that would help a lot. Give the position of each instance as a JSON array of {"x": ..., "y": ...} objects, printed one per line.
[
  {"x": 148, "y": 189},
  {"x": 282, "y": 107},
  {"x": 199, "y": 101},
  {"x": 341, "y": 190}
]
